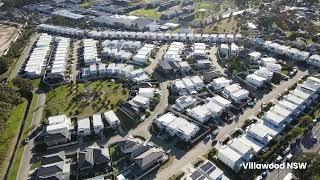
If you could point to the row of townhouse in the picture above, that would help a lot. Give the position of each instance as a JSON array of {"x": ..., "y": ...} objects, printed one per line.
[
  {"x": 258, "y": 135},
  {"x": 291, "y": 53},
  {"x": 213, "y": 108},
  {"x": 123, "y": 44},
  {"x": 59, "y": 128},
  {"x": 143, "y": 55},
  {"x": 188, "y": 85},
  {"x": 269, "y": 62},
  {"x": 39, "y": 56},
  {"x": 224, "y": 49},
  {"x": 172, "y": 62},
  {"x": 90, "y": 53},
  {"x": 58, "y": 65},
  {"x": 115, "y": 70},
  {"x": 233, "y": 92},
  {"x": 118, "y": 55},
  {"x": 178, "y": 126},
  {"x": 210, "y": 38},
  {"x": 260, "y": 77}
]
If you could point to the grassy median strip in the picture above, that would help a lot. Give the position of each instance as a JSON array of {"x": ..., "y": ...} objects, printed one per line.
[
  {"x": 11, "y": 130},
  {"x": 28, "y": 126}
]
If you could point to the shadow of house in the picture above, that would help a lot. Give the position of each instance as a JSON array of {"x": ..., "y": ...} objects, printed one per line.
[
  {"x": 93, "y": 159},
  {"x": 54, "y": 166},
  {"x": 56, "y": 138}
]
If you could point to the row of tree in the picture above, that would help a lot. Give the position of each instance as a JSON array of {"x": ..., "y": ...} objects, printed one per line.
[{"x": 15, "y": 50}]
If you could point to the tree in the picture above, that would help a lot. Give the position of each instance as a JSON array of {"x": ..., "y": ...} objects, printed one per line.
[
  {"x": 312, "y": 170},
  {"x": 24, "y": 85}
]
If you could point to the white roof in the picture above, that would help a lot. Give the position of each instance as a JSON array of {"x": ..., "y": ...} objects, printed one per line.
[
  {"x": 294, "y": 99},
  {"x": 111, "y": 116},
  {"x": 186, "y": 127},
  {"x": 229, "y": 153},
  {"x": 232, "y": 88},
  {"x": 280, "y": 110},
  {"x": 187, "y": 82},
  {"x": 287, "y": 104},
  {"x": 84, "y": 123},
  {"x": 57, "y": 119},
  {"x": 97, "y": 120},
  {"x": 221, "y": 101},
  {"x": 256, "y": 77},
  {"x": 141, "y": 99},
  {"x": 240, "y": 93},
  {"x": 300, "y": 94},
  {"x": 255, "y": 145},
  {"x": 166, "y": 119},
  {"x": 274, "y": 117},
  {"x": 221, "y": 80},
  {"x": 196, "y": 80},
  {"x": 239, "y": 146},
  {"x": 214, "y": 107}
]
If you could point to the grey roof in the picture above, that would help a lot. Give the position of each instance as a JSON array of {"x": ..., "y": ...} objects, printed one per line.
[
  {"x": 91, "y": 156},
  {"x": 127, "y": 144},
  {"x": 61, "y": 134},
  {"x": 86, "y": 159},
  {"x": 165, "y": 65},
  {"x": 51, "y": 171},
  {"x": 148, "y": 157},
  {"x": 53, "y": 158}
]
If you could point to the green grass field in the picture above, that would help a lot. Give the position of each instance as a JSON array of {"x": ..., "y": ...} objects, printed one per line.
[
  {"x": 148, "y": 13},
  {"x": 10, "y": 131},
  {"x": 87, "y": 4},
  {"x": 28, "y": 126},
  {"x": 84, "y": 98}
]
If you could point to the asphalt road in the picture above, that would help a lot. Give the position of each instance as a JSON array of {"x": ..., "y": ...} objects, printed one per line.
[
  {"x": 150, "y": 68},
  {"x": 214, "y": 60},
  {"x": 26, "y": 163}
]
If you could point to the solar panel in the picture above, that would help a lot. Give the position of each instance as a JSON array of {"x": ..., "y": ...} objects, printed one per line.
[
  {"x": 195, "y": 175},
  {"x": 205, "y": 167}
]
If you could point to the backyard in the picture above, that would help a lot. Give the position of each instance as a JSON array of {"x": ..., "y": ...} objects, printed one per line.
[
  {"x": 148, "y": 13},
  {"x": 85, "y": 98},
  {"x": 228, "y": 25}
]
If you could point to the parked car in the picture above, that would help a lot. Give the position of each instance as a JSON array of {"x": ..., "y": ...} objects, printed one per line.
[
  {"x": 214, "y": 142},
  {"x": 314, "y": 139},
  {"x": 289, "y": 157},
  {"x": 215, "y": 132},
  {"x": 279, "y": 159},
  {"x": 287, "y": 150}
]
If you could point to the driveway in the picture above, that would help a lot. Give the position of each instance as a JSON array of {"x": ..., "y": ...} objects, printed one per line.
[
  {"x": 213, "y": 57},
  {"x": 153, "y": 63}
]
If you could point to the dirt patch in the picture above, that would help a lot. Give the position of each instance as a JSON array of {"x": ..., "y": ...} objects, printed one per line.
[{"x": 6, "y": 34}]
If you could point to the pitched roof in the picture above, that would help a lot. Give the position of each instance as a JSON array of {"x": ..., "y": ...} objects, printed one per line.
[
  {"x": 148, "y": 157},
  {"x": 86, "y": 158},
  {"x": 53, "y": 158}
]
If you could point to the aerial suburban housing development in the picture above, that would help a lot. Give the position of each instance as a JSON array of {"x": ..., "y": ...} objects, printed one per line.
[{"x": 159, "y": 89}]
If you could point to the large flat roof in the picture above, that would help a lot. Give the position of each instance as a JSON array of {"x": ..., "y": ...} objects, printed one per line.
[
  {"x": 239, "y": 146},
  {"x": 255, "y": 145},
  {"x": 166, "y": 118},
  {"x": 281, "y": 111}
]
